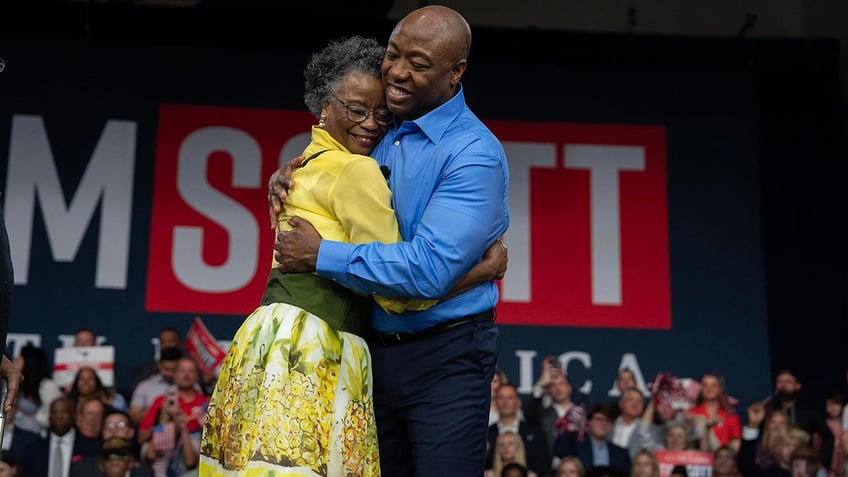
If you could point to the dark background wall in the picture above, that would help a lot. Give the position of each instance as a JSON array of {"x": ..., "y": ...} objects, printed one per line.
[{"x": 795, "y": 60}]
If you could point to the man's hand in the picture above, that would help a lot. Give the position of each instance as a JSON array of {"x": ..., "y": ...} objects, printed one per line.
[
  {"x": 14, "y": 376},
  {"x": 756, "y": 414},
  {"x": 278, "y": 188},
  {"x": 491, "y": 267},
  {"x": 297, "y": 250}
]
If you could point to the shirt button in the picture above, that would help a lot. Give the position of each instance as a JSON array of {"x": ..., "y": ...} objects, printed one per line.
[{"x": 397, "y": 143}]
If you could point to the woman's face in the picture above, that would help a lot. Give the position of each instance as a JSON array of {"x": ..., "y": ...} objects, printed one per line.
[
  {"x": 507, "y": 448},
  {"x": 710, "y": 388},
  {"x": 568, "y": 469},
  {"x": 6, "y": 470},
  {"x": 357, "y": 92},
  {"x": 642, "y": 466},
  {"x": 675, "y": 439},
  {"x": 86, "y": 383}
]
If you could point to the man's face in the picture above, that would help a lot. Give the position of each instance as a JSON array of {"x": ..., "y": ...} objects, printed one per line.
[
  {"x": 116, "y": 465},
  {"x": 169, "y": 339},
  {"x": 631, "y": 403},
  {"x": 167, "y": 369},
  {"x": 117, "y": 425},
  {"x": 90, "y": 418},
  {"x": 507, "y": 401},
  {"x": 61, "y": 416},
  {"x": 786, "y": 383},
  {"x": 559, "y": 389},
  {"x": 599, "y": 426},
  {"x": 418, "y": 68},
  {"x": 84, "y": 338},
  {"x": 186, "y": 375}
]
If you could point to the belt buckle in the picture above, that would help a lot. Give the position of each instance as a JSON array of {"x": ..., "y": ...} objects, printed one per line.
[{"x": 391, "y": 338}]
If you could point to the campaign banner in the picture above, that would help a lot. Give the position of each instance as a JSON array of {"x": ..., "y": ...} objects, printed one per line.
[
  {"x": 698, "y": 464},
  {"x": 68, "y": 361},
  {"x": 203, "y": 347}
]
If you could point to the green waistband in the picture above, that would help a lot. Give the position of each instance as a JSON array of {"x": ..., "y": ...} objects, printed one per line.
[{"x": 338, "y": 306}]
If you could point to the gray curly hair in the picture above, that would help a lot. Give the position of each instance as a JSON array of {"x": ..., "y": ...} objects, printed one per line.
[{"x": 330, "y": 66}]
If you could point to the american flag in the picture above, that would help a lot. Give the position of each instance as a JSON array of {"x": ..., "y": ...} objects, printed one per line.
[{"x": 164, "y": 436}]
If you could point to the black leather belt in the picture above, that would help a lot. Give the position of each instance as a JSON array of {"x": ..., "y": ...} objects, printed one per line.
[{"x": 390, "y": 339}]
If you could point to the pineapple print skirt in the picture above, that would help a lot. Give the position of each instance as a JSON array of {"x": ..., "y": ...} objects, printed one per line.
[{"x": 293, "y": 398}]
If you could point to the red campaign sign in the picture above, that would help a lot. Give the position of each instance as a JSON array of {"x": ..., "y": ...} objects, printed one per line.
[
  {"x": 588, "y": 238},
  {"x": 698, "y": 464},
  {"x": 211, "y": 242},
  {"x": 201, "y": 345},
  {"x": 590, "y": 203}
]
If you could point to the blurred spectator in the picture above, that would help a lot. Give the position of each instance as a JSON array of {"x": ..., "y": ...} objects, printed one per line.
[
  {"x": 677, "y": 434},
  {"x": 775, "y": 421},
  {"x": 560, "y": 415},
  {"x": 724, "y": 463},
  {"x": 596, "y": 450},
  {"x": 537, "y": 453},
  {"x": 16, "y": 439},
  {"x": 716, "y": 422},
  {"x": 828, "y": 436},
  {"x": 169, "y": 337},
  {"x": 514, "y": 469},
  {"x": 807, "y": 463},
  {"x": 38, "y": 390},
  {"x": 116, "y": 424},
  {"x": 787, "y": 390},
  {"x": 509, "y": 448},
  {"x": 679, "y": 471},
  {"x": 784, "y": 442},
  {"x": 151, "y": 388},
  {"x": 8, "y": 464},
  {"x": 87, "y": 385},
  {"x": 570, "y": 467},
  {"x": 89, "y": 420},
  {"x": 629, "y": 430},
  {"x": 116, "y": 459},
  {"x": 498, "y": 379},
  {"x": 85, "y": 337},
  {"x": 625, "y": 379},
  {"x": 177, "y": 420},
  {"x": 645, "y": 464},
  {"x": 61, "y": 447}
]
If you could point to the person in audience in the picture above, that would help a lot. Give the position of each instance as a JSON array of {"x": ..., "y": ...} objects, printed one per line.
[
  {"x": 116, "y": 424},
  {"x": 570, "y": 466},
  {"x": 537, "y": 453},
  {"x": 16, "y": 439},
  {"x": 679, "y": 471},
  {"x": 645, "y": 464},
  {"x": 87, "y": 385},
  {"x": 8, "y": 464},
  {"x": 787, "y": 389},
  {"x": 116, "y": 459},
  {"x": 717, "y": 422},
  {"x": 179, "y": 416},
  {"x": 85, "y": 337},
  {"x": 596, "y": 450},
  {"x": 514, "y": 469},
  {"x": 784, "y": 442},
  {"x": 677, "y": 434},
  {"x": 168, "y": 337},
  {"x": 151, "y": 388},
  {"x": 807, "y": 463},
  {"x": 509, "y": 448},
  {"x": 498, "y": 379},
  {"x": 625, "y": 379},
  {"x": 628, "y": 429},
  {"x": 724, "y": 463},
  {"x": 829, "y": 436},
  {"x": 766, "y": 455},
  {"x": 37, "y": 459},
  {"x": 38, "y": 390},
  {"x": 89, "y": 420},
  {"x": 560, "y": 415}
]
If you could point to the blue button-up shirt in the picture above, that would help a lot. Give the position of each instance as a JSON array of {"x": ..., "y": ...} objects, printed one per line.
[{"x": 449, "y": 182}]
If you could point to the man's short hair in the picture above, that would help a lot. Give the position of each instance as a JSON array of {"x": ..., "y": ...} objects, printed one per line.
[
  {"x": 602, "y": 408},
  {"x": 170, "y": 354}
]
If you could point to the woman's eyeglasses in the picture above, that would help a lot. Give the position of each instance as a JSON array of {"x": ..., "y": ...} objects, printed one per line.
[{"x": 357, "y": 114}]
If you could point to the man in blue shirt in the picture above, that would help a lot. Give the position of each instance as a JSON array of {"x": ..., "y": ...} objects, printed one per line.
[{"x": 449, "y": 181}]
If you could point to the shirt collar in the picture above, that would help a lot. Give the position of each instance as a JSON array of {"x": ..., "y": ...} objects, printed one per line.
[{"x": 436, "y": 122}]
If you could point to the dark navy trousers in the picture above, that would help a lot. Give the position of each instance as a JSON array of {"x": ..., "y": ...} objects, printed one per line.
[{"x": 431, "y": 397}]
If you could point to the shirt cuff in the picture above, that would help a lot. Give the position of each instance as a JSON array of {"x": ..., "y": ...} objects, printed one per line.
[
  {"x": 750, "y": 434},
  {"x": 332, "y": 260}
]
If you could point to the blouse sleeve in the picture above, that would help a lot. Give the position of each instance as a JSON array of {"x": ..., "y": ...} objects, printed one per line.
[{"x": 361, "y": 200}]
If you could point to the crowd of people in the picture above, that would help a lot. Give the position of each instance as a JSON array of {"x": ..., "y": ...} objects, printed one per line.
[
  {"x": 555, "y": 432},
  {"x": 86, "y": 429}
]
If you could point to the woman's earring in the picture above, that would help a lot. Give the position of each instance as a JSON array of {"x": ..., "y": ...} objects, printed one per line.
[{"x": 322, "y": 122}]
